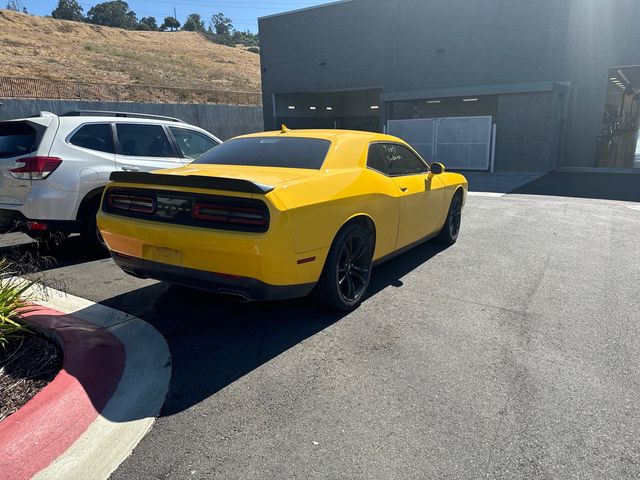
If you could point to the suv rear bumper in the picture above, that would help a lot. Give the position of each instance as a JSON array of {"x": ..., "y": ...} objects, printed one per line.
[{"x": 15, "y": 221}]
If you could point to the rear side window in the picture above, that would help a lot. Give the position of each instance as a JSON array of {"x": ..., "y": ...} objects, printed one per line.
[
  {"x": 97, "y": 136},
  {"x": 394, "y": 160},
  {"x": 192, "y": 144},
  {"x": 270, "y": 152},
  {"x": 17, "y": 138},
  {"x": 143, "y": 140}
]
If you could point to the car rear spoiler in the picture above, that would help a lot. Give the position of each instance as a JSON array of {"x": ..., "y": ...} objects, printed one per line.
[{"x": 192, "y": 181}]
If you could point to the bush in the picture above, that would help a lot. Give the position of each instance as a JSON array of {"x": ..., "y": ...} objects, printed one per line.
[
  {"x": 193, "y": 23},
  {"x": 149, "y": 22},
  {"x": 170, "y": 23},
  {"x": 13, "y": 300},
  {"x": 247, "y": 38},
  {"x": 253, "y": 50},
  {"x": 220, "y": 39}
]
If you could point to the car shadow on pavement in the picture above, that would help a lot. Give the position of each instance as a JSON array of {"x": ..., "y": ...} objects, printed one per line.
[
  {"x": 31, "y": 257},
  {"x": 214, "y": 342}
]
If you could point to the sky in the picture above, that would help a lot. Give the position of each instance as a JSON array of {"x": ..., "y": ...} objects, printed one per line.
[{"x": 243, "y": 13}]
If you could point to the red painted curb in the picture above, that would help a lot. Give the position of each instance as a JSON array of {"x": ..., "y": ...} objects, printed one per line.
[{"x": 38, "y": 433}]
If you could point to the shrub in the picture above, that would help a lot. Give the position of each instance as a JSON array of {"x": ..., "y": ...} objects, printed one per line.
[
  {"x": 219, "y": 39},
  {"x": 193, "y": 23},
  {"x": 149, "y": 22},
  {"x": 170, "y": 23},
  {"x": 13, "y": 300}
]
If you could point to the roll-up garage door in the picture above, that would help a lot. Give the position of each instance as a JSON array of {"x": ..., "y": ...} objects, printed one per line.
[
  {"x": 420, "y": 133},
  {"x": 461, "y": 143}
]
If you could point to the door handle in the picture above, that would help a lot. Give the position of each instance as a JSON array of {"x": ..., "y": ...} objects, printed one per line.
[
  {"x": 130, "y": 168},
  {"x": 404, "y": 189}
]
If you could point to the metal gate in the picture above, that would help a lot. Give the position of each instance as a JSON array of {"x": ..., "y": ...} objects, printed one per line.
[{"x": 461, "y": 143}]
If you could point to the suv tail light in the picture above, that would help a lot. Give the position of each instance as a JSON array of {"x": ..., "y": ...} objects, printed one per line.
[
  {"x": 35, "y": 168},
  {"x": 219, "y": 213},
  {"x": 131, "y": 203}
]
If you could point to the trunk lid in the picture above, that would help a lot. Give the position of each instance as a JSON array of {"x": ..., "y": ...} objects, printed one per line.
[{"x": 272, "y": 176}]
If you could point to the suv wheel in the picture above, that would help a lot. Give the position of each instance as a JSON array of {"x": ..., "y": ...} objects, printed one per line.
[
  {"x": 48, "y": 241},
  {"x": 90, "y": 230}
]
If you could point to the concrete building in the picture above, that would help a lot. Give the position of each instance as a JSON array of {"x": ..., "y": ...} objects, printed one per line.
[{"x": 510, "y": 85}]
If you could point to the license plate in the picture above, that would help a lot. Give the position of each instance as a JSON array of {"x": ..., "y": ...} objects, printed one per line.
[{"x": 162, "y": 255}]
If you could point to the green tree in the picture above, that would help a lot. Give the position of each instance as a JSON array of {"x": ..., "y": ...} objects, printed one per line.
[
  {"x": 247, "y": 38},
  {"x": 149, "y": 22},
  {"x": 170, "y": 23},
  {"x": 115, "y": 13},
  {"x": 68, "y": 10},
  {"x": 16, "y": 6},
  {"x": 193, "y": 23},
  {"x": 221, "y": 24}
]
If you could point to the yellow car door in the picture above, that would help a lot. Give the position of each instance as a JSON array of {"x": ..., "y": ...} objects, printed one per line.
[{"x": 420, "y": 193}]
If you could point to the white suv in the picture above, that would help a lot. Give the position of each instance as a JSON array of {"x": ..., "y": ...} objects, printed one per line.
[{"x": 53, "y": 168}]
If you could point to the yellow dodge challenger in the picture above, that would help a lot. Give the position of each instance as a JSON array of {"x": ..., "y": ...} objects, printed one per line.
[{"x": 282, "y": 214}]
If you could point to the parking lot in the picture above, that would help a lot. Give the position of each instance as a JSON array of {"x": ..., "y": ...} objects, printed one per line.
[{"x": 513, "y": 354}]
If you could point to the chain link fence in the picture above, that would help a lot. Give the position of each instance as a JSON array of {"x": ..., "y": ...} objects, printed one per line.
[{"x": 21, "y": 87}]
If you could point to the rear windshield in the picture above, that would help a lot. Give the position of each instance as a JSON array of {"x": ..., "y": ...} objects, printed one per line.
[
  {"x": 270, "y": 152},
  {"x": 16, "y": 138}
]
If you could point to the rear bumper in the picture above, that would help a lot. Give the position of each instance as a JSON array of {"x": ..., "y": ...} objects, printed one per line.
[
  {"x": 267, "y": 257},
  {"x": 244, "y": 289},
  {"x": 16, "y": 221}
]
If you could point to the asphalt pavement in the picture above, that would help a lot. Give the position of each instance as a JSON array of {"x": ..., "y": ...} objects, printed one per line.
[{"x": 513, "y": 354}]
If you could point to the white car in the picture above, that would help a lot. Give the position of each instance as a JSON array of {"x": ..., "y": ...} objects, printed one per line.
[{"x": 53, "y": 168}]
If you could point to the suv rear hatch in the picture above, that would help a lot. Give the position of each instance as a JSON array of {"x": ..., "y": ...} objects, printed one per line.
[{"x": 18, "y": 139}]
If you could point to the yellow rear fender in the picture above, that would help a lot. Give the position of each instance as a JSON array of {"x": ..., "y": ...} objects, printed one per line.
[
  {"x": 365, "y": 220},
  {"x": 318, "y": 210}
]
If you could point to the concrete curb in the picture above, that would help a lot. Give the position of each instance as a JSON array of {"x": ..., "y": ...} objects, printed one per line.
[{"x": 133, "y": 405}]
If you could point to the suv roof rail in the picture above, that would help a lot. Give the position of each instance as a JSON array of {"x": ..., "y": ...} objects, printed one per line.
[
  {"x": 104, "y": 113},
  {"x": 42, "y": 113}
]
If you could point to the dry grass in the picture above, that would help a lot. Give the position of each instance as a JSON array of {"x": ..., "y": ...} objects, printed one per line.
[{"x": 56, "y": 49}]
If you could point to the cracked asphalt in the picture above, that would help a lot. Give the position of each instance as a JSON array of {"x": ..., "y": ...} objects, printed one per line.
[{"x": 513, "y": 354}]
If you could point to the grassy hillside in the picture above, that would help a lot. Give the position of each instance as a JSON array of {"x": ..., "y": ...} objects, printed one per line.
[{"x": 56, "y": 49}]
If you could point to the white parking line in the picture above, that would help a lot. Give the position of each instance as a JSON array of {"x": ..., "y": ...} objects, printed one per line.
[{"x": 485, "y": 194}]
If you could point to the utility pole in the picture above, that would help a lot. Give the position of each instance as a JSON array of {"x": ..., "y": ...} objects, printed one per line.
[{"x": 174, "y": 12}]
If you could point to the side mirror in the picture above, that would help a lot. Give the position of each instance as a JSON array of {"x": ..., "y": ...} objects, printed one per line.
[{"x": 437, "y": 168}]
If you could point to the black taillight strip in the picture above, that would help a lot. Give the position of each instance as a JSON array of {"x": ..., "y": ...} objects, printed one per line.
[
  {"x": 229, "y": 213},
  {"x": 208, "y": 211},
  {"x": 134, "y": 203}
]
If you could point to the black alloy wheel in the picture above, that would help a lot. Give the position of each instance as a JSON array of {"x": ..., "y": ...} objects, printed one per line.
[
  {"x": 347, "y": 270},
  {"x": 456, "y": 216},
  {"x": 449, "y": 233},
  {"x": 354, "y": 268}
]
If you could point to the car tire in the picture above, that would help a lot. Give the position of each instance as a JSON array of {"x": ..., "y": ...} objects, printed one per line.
[
  {"x": 449, "y": 233},
  {"x": 347, "y": 270},
  {"x": 91, "y": 233}
]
